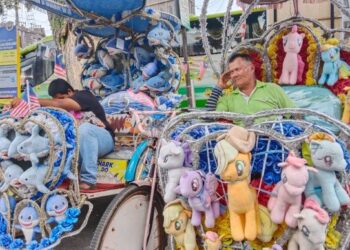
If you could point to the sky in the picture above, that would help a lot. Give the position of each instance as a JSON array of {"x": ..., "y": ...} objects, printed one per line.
[{"x": 40, "y": 17}]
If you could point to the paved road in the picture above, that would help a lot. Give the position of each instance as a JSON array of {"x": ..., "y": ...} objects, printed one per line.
[{"x": 82, "y": 240}]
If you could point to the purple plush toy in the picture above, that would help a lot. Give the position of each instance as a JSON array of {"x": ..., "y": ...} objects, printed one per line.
[{"x": 201, "y": 193}]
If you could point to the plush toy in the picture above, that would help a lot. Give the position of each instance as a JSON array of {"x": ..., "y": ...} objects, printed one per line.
[
  {"x": 105, "y": 59},
  {"x": 201, "y": 193},
  {"x": 159, "y": 36},
  {"x": 29, "y": 221},
  {"x": 289, "y": 191},
  {"x": 346, "y": 112},
  {"x": 328, "y": 157},
  {"x": 234, "y": 168},
  {"x": 142, "y": 56},
  {"x": 171, "y": 158},
  {"x": 12, "y": 151},
  {"x": 35, "y": 146},
  {"x": 11, "y": 175},
  {"x": 177, "y": 223},
  {"x": 4, "y": 141},
  {"x": 212, "y": 240},
  {"x": 239, "y": 139},
  {"x": 4, "y": 209},
  {"x": 56, "y": 207},
  {"x": 332, "y": 65},
  {"x": 312, "y": 227},
  {"x": 293, "y": 65},
  {"x": 35, "y": 175},
  {"x": 268, "y": 228}
]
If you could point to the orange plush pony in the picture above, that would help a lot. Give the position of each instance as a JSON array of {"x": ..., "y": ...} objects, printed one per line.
[{"x": 233, "y": 154}]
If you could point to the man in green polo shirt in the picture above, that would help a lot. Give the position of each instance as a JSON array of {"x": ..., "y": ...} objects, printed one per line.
[{"x": 250, "y": 95}]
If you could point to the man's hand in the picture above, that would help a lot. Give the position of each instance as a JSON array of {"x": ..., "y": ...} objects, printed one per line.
[
  {"x": 15, "y": 101},
  {"x": 225, "y": 80}
]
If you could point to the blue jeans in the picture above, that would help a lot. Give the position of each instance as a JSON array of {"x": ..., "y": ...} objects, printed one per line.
[{"x": 94, "y": 142}]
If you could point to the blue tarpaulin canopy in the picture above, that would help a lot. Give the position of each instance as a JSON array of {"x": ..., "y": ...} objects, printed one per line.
[{"x": 106, "y": 18}]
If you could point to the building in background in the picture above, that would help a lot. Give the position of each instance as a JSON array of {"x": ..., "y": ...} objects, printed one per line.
[
  {"x": 320, "y": 10},
  {"x": 31, "y": 35},
  {"x": 170, "y": 6}
]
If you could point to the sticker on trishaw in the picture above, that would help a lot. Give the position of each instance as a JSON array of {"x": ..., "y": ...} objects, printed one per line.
[{"x": 111, "y": 171}]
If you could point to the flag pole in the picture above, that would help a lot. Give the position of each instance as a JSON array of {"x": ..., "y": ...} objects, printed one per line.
[{"x": 28, "y": 94}]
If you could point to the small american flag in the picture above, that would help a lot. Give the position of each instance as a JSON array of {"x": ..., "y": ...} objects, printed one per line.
[
  {"x": 26, "y": 104},
  {"x": 60, "y": 68}
]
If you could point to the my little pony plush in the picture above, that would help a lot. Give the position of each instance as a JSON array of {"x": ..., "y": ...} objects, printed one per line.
[
  {"x": 29, "y": 222},
  {"x": 171, "y": 158},
  {"x": 289, "y": 191},
  {"x": 268, "y": 228},
  {"x": 177, "y": 223},
  {"x": 212, "y": 240},
  {"x": 293, "y": 65},
  {"x": 312, "y": 226},
  {"x": 234, "y": 168},
  {"x": 328, "y": 157},
  {"x": 201, "y": 193},
  {"x": 333, "y": 67},
  {"x": 346, "y": 112}
]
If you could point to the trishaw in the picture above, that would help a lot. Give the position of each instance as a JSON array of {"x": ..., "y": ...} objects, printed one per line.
[{"x": 41, "y": 201}]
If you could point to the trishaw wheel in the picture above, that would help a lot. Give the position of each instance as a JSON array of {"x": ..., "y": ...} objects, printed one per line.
[{"x": 123, "y": 223}]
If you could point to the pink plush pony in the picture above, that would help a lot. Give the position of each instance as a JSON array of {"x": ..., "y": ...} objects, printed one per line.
[
  {"x": 201, "y": 193},
  {"x": 293, "y": 65},
  {"x": 289, "y": 190}
]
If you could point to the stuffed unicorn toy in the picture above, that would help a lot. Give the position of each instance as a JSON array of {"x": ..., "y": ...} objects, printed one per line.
[
  {"x": 293, "y": 65},
  {"x": 312, "y": 227},
  {"x": 289, "y": 191},
  {"x": 323, "y": 186},
  {"x": 201, "y": 193},
  {"x": 172, "y": 158}
]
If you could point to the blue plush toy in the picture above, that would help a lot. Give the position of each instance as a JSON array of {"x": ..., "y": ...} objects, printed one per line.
[
  {"x": 56, "y": 207},
  {"x": 29, "y": 222},
  {"x": 331, "y": 65},
  {"x": 159, "y": 36},
  {"x": 327, "y": 157}
]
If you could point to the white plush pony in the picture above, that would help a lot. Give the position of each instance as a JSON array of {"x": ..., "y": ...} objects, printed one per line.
[{"x": 171, "y": 158}]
